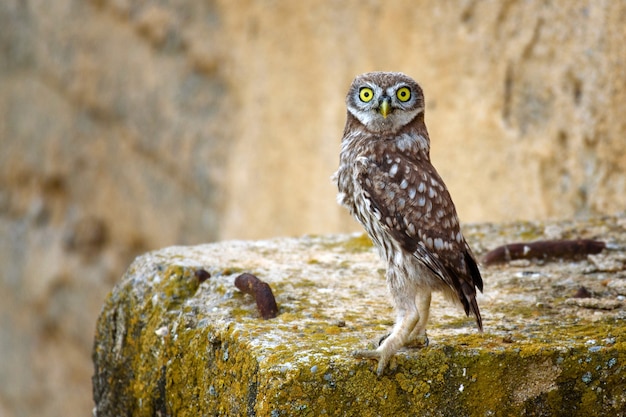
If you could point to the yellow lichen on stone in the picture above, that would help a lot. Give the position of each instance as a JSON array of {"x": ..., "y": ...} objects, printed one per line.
[{"x": 358, "y": 243}]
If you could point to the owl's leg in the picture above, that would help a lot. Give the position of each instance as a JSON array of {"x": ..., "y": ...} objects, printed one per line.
[
  {"x": 418, "y": 336},
  {"x": 407, "y": 319}
]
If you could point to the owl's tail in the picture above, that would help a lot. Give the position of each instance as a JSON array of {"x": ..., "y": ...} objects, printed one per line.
[
  {"x": 470, "y": 304},
  {"x": 469, "y": 290}
]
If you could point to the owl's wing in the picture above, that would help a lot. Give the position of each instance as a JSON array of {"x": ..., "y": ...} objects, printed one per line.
[{"x": 414, "y": 206}]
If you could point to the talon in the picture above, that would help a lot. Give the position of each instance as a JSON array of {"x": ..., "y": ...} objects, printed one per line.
[
  {"x": 382, "y": 339},
  {"x": 381, "y": 367}
]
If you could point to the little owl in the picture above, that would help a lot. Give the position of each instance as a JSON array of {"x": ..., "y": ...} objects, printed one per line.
[{"x": 386, "y": 180}]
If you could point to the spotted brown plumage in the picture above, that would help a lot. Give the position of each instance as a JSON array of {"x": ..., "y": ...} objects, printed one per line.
[{"x": 386, "y": 180}]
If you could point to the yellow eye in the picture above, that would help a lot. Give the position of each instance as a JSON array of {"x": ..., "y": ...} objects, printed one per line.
[
  {"x": 366, "y": 94},
  {"x": 403, "y": 94}
]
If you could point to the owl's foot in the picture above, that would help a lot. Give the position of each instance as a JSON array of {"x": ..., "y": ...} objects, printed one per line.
[
  {"x": 386, "y": 351},
  {"x": 381, "y": 355},
  {"x": 417, "y": 342}
]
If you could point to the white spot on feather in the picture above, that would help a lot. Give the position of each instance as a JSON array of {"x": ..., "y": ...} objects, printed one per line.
[
  {"x": 405, "y": 142},
  {"x": 412, "y": 193},
  {"x": 422, "y": 142},
  {"x": 393, "y": 170},
  {"x": 404, "y": 184}
]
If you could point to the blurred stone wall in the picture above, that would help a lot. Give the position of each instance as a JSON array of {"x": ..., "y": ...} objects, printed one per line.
[{"x": 131, "y": 125}]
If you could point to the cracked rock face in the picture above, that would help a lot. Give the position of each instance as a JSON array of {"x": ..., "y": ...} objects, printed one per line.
[{"x": 171, "y": 344}]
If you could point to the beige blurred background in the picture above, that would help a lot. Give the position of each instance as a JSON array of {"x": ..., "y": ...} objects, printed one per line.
[{"x": 127, "y": 126}]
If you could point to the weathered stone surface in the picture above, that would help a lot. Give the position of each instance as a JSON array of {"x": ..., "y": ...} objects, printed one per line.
[
  {"x": 168, "y": 345},
  {"x": 131, "y": 125}
]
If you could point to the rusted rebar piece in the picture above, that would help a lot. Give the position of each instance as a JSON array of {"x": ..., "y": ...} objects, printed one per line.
[
  {"x": 262, "y": 293},
  {"x": 202, "y": 275},
  {"x": 544, "y": 250}
]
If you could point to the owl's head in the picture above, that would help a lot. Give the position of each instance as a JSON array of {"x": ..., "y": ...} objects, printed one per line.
[{"x": 385, "y": 101}]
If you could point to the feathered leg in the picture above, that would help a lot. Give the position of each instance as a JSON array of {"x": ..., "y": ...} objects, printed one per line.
[{"x": 418, "y": 336}]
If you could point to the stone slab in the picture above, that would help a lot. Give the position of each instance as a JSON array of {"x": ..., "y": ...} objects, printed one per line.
[{"x": 167, "y": 344}]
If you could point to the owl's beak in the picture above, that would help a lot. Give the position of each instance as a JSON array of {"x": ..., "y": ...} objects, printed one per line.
[{"x": 384, "y": 108}]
